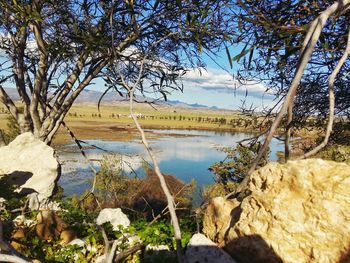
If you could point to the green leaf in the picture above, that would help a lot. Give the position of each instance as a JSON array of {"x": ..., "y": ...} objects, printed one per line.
[
  {"x": 241, "y": 55},
  {"x": 250, "y": 57},
  {"x": 244, "y": 52},
  {"x": 228, "y": 56}
]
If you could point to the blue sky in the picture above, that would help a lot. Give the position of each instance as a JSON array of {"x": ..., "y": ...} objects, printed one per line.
[{"x": 215, "y": 86}]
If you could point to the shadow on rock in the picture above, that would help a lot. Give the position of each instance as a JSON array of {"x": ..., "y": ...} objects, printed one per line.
[
  {"x": 345, "y": 258},
  {"x": 10, "y": 182},
  {"x": 252, "y": 249}
]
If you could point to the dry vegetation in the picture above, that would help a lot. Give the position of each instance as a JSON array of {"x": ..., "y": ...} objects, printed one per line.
[{"x": 114, "y": 123}]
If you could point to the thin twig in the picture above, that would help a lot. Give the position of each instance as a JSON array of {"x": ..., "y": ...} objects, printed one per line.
[
  {"x": 122, "y": 255},
  {"x": 169, "y": 197}
]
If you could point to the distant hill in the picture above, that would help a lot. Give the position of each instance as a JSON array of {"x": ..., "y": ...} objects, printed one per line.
[{"x": 92, "y": 96}]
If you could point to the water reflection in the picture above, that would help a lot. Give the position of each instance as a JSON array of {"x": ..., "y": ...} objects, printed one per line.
[{"x": 186, "y": 154}]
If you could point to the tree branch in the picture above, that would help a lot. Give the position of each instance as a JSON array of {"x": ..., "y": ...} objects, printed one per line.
[
  {"x": 331, "y": 102},
  {"x": 169, "y": 197}
]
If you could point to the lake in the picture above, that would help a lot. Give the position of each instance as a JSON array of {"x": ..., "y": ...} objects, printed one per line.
[{"x": 187, "y": 154}]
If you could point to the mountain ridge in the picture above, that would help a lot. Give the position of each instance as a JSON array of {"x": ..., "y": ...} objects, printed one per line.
[{"x": 93, "y": 96}]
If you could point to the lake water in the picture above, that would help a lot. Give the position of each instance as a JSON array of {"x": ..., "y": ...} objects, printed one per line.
[{"x": 187, "y": 154}]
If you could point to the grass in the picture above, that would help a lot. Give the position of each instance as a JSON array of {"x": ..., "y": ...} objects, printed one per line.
[{"x": 113, "y": 122}]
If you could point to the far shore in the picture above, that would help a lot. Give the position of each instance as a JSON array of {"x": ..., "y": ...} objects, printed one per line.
[{"x": 113, "y": 122}]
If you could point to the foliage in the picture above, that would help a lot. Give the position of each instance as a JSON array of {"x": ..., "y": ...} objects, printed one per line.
[
  {"x": 273, "y": 32},
  {"x": 12, "y": 130},
  {"x": 217, "y": 189},
  {"x": 237, "y": 163},
  {"x": 336, "y": 152},
  {"x": 161, "y": 232},
  {"x": 82, "y": 221},
  {"x": 142, "y": 197},
  {"x": 53, "y": 50}
]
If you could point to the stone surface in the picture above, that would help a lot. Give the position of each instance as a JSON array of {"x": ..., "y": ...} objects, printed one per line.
[
  {"x": 22, "y": 221},
  {"x": 77, "y": 242},
  {"x": 30, "y": 164},
  {"x": 113, "y": 215},
  {"x": 297, "y": 212},
  {"x": 50, "y": 226},
  {"x": 202, "y": 249}
]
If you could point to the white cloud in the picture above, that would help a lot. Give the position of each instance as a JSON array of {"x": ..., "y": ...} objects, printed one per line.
[{"x": 222, "y": 82}]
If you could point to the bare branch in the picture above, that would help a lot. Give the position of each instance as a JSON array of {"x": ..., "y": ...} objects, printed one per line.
[
  {"x": 112, "y": 253},
  {"x": 331, "y": 102},
  {"x": 12, "y": 258},
  {"x": 169, "y": 197},
  {"x": 7, "y": 101}
]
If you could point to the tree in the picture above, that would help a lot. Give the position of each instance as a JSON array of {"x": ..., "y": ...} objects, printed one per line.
[
  {"x": 303, "y": 52},
  {"x": 52, "y": 50},
  {"x": 274, "y": 32}
]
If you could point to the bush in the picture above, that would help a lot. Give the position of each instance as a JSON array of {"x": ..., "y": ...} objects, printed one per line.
[
  {"x": 12, "y": 130},
  {"x": 140, "y": 197},
  {"x": 237, "y": 163}
]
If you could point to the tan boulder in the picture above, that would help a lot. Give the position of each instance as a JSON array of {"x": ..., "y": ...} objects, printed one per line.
[
  {"x": 297, "y": 212},
  {"x": 50, "y": 225},
  {"x": 18, "y": 239}
]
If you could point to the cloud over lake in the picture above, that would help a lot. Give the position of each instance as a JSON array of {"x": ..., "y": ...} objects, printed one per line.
[{"x": 223, "y": 82}]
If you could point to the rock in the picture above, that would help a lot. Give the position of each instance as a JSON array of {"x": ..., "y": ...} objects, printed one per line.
[
  {"x": 31, "y": 164},
  {"x": 67, "y": 236},
  {"x": 157, "y": 248},
  {"x": 113, "y": 215},
  {"x": 17, "y": 238},
  {"x": 159, "y": 253},
  {"x": 21, "y": 221},
  {"x": 50, "y": 225},
  {"x": 296, "y": 212},
  {"x": 77, "y": 242},
  {"x": 202, "y": 249},
  {"x": 35, "y": 204}
]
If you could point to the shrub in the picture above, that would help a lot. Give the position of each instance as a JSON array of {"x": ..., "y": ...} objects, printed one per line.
[{"x": 237, "y": 163}]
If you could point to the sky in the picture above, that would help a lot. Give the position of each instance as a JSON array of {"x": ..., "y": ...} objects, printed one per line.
[{"x": 216, "y": 87}]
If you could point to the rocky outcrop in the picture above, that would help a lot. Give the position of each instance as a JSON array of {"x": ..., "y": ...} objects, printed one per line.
[
  {"x": 31, "y": 165},
  {"x": 202, "y": 249},
  {"x": 296, "y": 212},
  {"x": 115, "y": 216}
]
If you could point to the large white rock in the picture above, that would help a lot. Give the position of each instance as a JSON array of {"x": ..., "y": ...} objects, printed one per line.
[
  {"x": 31, "y": 160},
  {"x": 115, "y": 216},
  {"x": 202, "y": 249}
]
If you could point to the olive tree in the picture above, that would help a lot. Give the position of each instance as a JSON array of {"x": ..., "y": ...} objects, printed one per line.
[{"x": 52, "y": 50}]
